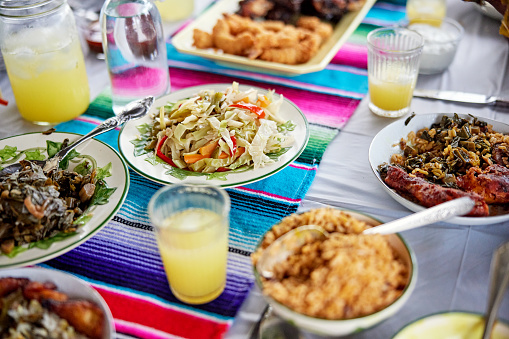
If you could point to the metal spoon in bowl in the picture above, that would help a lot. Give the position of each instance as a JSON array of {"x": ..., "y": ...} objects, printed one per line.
[
  {"x": 290, "y": 242},
  {"x": 133, "y": 110}
]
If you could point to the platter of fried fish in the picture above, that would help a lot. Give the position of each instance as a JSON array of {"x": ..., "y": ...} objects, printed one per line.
[{"x": 293, "y": 38}]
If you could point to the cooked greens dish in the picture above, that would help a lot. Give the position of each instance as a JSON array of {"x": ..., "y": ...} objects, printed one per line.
[{"x": 39, "y": 207}]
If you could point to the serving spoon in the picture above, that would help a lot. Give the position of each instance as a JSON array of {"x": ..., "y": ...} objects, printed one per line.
[
  {"x": 132, "y": 110},
  {"x": 290, "y": 242}
]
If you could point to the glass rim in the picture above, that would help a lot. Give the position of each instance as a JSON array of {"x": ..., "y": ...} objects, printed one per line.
[
  {"x": 29, "y": 8},
  {"x": 395, "y": 29},
  {"x": 222, "y": 193}
]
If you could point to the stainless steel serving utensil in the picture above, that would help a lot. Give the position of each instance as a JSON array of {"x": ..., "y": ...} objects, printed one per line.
[
  {"x": 461, "y": 97},
  {"x": 133, "y": 110},
  {"x": 287, "y": 244},
  {"x": 499, "y": 277}
]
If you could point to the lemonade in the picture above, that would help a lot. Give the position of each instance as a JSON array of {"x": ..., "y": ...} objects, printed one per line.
[
  {"x": 391, "y": 96},
  {"x": 194, "y": 247},
  {"x": 47, "y": 75},
  {"x": 426, "y": 11}
]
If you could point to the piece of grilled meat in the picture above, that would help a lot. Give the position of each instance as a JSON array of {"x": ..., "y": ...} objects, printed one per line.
[
  {"x": 491, "y": 183},
  {"x": 428, "y": 194}
]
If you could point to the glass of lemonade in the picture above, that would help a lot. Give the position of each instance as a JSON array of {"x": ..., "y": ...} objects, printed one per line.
[
  {"x": 426, "y": 11},
  {"x": 42, "y": 53},
  {"x": 393, "y": 66},
  {"x": 191, "y": 224}
]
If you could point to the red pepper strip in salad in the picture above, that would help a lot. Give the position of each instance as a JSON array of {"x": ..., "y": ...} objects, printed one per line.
[
  {"x": 234, "y": 141},
  {"x": 253, "y": 108},
  {"x": 160, "y": 154},
  {"x": 3, "y": 102}
]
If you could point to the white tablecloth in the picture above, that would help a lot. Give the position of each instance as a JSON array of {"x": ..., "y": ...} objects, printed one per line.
[{"x": 453, "y": 261}]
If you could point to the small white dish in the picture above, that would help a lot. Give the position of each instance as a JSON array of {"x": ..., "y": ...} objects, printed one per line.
[
  {"x": 441, "y": 42},
  {"x": 386, "y": 143},
  {"x": 327, "y": 327},
  {"x": 455, "y": 324},
  {"x": 157, "y": 173},
  {"x": 103, "y": 154},
  {"x": 75, "y": 288}
]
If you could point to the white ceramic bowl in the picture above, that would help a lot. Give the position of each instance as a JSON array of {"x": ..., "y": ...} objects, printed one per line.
[
  {"x": 327, "y": 327},
  {"x": 441, "y": 41},
  {"x": 75, "y": 288}
]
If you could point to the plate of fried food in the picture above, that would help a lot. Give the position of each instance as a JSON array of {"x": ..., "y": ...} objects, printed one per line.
[
  {"x": 221, "y": 134},
  {"x": 46, "y": 213},
  {"x": 428, "y": 159},
  {"x": 289, "y": 37},
  {"x": 46, "y": 303}
]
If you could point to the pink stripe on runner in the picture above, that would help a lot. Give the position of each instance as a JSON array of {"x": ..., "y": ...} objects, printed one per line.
[
  {"x": 352, "y": 55},
  {"x": 314, "y": 168},
  {"x": 325, "y": 109},
  {"x": 126, "y": 327},
  {"x": 279, "y": 197}
]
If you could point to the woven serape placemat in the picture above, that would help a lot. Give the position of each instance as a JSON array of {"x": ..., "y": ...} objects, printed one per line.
[{"x": 122, "y": 261}]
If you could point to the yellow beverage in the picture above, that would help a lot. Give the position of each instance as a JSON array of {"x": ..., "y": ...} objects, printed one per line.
[
  {"x": 426, "y": 11},
  {"x": 194, "y": 245},
  {"x": 391, "y": 96},
  {"x": 173, "y": 10},
  {"x": 50, "y": 84}
]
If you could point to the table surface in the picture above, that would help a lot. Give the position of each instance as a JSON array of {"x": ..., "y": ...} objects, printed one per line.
[{"x": 453, "y": 260}]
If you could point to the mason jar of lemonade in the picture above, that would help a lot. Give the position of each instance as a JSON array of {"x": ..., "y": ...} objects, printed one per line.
[{"x": 42, "y": 53}]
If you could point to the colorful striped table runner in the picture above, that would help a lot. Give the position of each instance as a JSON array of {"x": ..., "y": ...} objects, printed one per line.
[{"x": 122, "y": 261}]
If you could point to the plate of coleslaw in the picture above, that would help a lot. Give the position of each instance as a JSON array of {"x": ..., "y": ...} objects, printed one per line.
[{"x": 218, "y": 134}]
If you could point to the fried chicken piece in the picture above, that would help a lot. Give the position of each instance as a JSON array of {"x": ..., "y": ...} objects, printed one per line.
[
  {"x": 492, "y": 183},
  {"x": 272, "y": 25},
  {"x": 298, "y": 54},
  {"x": 86, "y": 317},
  {"x": 43, "y": 291},
  {"x": 315, "y": 25},
  {"x": 428, "y": 194},
  {"x": 255, "y": 8},
  {"x": 9, "y": 285},
  {"x": 229, "y": 43},
  {"x": 239, "y": 24},
  {"x": 202, "y": 39}
]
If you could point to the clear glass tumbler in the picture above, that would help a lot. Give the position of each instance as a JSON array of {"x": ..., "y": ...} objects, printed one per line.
[
  {"x": 393, "y": 65},
  {"x": 191, "y": 224},
  {"x": 42, "y": 53},
  {"x": 135, "y": 50}
]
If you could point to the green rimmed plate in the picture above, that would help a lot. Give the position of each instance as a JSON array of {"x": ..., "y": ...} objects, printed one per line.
[
  {"x": 103, "y": 154},
  {"x": 157, "y": 172}
]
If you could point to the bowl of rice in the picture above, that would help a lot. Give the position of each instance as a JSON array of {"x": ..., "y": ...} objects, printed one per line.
[{"x": 346, "y": 283}]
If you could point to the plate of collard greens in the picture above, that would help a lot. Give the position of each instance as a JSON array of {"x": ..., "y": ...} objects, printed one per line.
[{"x": 45, "y": 214}]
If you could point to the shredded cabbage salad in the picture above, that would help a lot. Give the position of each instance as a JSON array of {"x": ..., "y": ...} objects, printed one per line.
[{"x": 218, "y": 131}]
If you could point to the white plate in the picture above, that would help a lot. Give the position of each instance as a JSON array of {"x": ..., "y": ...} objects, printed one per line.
[
  {"x": 103, "y": 154},
  {"x": 386, "y": 143},
  {"x": 183, "y": 41},
  {"x": 288, "y": 111},
  {"x": 75, "y": 288}
]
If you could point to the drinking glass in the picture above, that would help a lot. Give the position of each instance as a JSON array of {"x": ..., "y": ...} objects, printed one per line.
[
  {"x": 191, "y": 224},
  {"x": 426, "y": 11},
  {"x": 44, "y": 61},
  {"x": 393, "y": 65}
]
